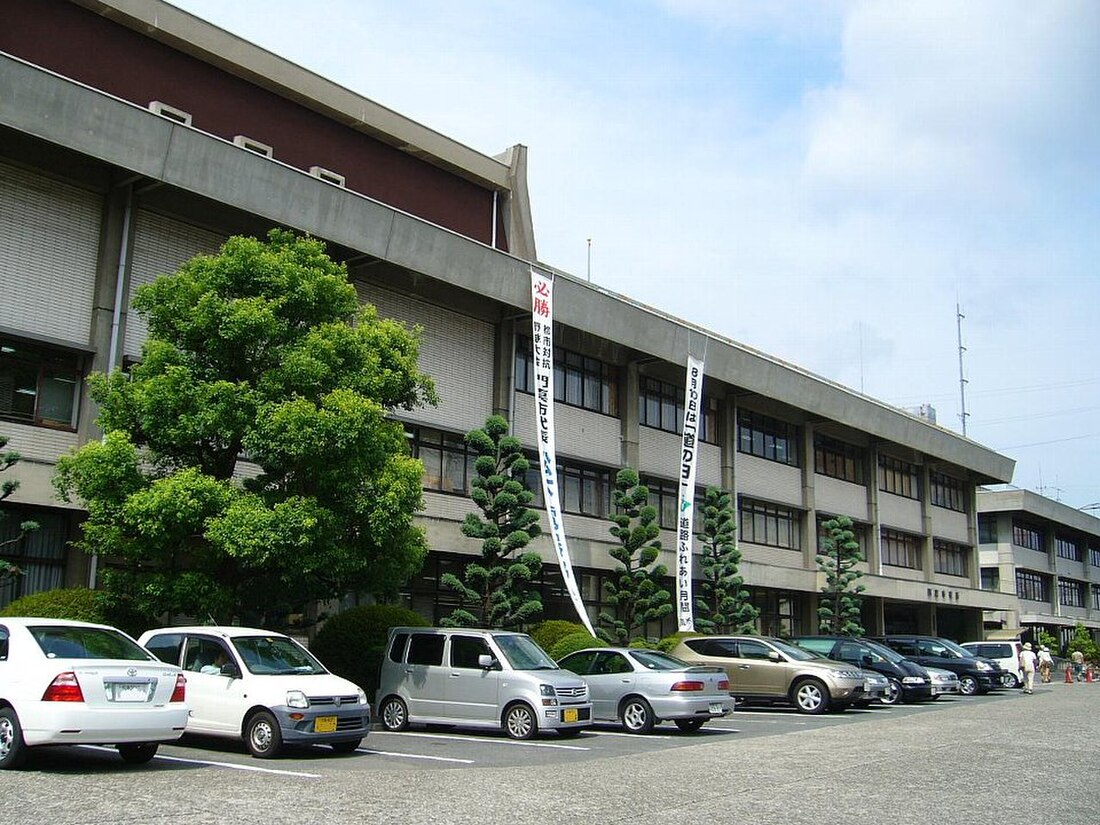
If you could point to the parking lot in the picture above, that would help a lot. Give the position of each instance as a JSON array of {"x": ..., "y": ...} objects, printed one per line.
[{"x": 958, "y": 759}]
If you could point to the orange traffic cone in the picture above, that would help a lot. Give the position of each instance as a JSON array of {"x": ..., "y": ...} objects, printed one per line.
[
  {"x": 1088, "y": 674},
  {"x": 1069, "y": 675}
]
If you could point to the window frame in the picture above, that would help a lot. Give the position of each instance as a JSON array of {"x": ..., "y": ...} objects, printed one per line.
[
  {"x": 950, "y": 558},
  {"x": 752, "y": 514},
  {"x": 900, "y": 549},
  {"x": 48, "y": 363},
  {"x": 899, "y": 477},
  {"x": 846, "y": 459},
  {"x": 598, "y": 380},
  {"x": 661, "y": 407},
  {"x": 1028, "y": 536},
  {"x": 759, "y": 435},
  {"x": 947, "y": 492},
  {"x": 1032, "y": 586}
]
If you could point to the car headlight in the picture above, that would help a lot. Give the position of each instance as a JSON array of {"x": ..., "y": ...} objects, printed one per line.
[
  {"x": 549, "y": 695},
  {"x": 296, "y": 699},
  {"x": 983, "y": 666},
  {"x": 912, "y": 680},
  {"x": 362, "y": 696},
  {"x": 849, "y": 674}
]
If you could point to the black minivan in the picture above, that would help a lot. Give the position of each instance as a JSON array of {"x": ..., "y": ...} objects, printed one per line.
[
  {"x": 976, "y": 675},
  {"x": 909, "y": 682}
]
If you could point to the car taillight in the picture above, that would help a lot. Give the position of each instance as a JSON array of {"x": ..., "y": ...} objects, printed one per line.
[
  {"x": 681, "y": 686},
  {"x": 180, "y": 689},
  {"x": 64, "y": 688},
  {"x": 724, "y": 684}
]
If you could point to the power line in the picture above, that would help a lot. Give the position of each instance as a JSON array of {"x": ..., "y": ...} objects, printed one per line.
[{"x": 1041, "y": 443}]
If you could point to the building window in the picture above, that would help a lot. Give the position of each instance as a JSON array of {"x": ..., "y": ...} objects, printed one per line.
[
  {"x": 1067, "y": 549},
  {"x": 837, "y": 459},
  {"x": 1032, "y": 586},
  {"x": 448, "y": 462},
  {"x": 767, "y": 437},
  {"x": 1095, "y": 597},
  {"x": 1071, "y": 593},
  {"x": 1024, "y": 535},
  {"x": 39, "y": 385},
  {"x": 987, "y": 529},
  {"x": 860, "y": 531},
  {"x": 579, "y": 381},
  {"x": 1094, "y": 556},
  {"x": 951, "y": 558},
  {"x": 665, "y": 497},
  {"x": 585, "y": 490},
  {"x": 898, "y": 477},
  {"x": 901, "y": 549},
  {"x": 39, "y": 555},
  {"x": 991, "y": 578},
  {"x": 770, "y": 524},
  {"x": 661, "y": 405},
  {"x": 947, "y": 492}
]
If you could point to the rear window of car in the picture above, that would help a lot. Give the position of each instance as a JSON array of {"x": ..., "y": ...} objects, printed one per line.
[
  {"x": 60, "y": 642},
  {"x": 397, "y": 646}
]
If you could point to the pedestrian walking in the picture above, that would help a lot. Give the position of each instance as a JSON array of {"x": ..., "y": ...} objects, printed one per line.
[
  {"x": 1028, "y": 663},
  {"x": 1046, "y": 663},
  {"x": 1078, "y": 665}
]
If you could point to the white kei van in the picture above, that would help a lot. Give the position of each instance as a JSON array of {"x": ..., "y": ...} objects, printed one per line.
[
  {"x": 263, "y": 687},
  {"x": 478, "y": 678}
]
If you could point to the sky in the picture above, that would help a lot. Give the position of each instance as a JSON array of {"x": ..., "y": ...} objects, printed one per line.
[{"x": 825, "y": 181}]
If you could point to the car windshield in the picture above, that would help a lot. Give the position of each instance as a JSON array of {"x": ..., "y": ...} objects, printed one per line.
[
  {"x": 61, "y": 642},
  {"x": 886, "y": 653},
  {"x": 275, "y": 656},
  {"x": 652, "y": 660},
  {"x": 792, "y": 651},
  {"x": 522, "y": 653},
  {"x": 956, "y": 649}
]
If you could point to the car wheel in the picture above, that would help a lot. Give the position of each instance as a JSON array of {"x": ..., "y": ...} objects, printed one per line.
[
  {"x": 137, "y": 753},
  {"x": 811, "y": 696},
  {"x": 968, "y": 685},
  {"x": 636, "y": 715},
  {"x": 13, "y": 752},
  {"x": 519, "y": 722},
  {"x": 395, "y": 716},
  {"x": 893, "y": 695},
  {"x": 347, "y": 746},
  {"x": 690, "y": 725},
  {"x": 1009, "y": 680},
  {"x": 262, "y": 735}
]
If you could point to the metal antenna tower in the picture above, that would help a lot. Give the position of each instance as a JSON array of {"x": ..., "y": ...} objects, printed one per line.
[{"x": 962, "y": 379}]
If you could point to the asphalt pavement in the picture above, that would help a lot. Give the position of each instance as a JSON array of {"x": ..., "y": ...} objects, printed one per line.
[{"x": 1006, "y": 759}]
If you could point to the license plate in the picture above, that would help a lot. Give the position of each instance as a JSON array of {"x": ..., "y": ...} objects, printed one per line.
[
  {"x": 569, "y": 715},
  {"x": 716, "y": 707},
  {"x": 129, "y": 693},
  {"x": 324, "y": 724}
]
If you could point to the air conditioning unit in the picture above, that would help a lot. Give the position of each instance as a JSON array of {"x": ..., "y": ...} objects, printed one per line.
[
  {"x": 245, "y": 142},
  {"x": 327, "y": 175},
  {"x": 161, "y": 108}
]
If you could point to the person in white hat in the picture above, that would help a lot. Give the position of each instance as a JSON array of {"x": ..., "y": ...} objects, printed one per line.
[
  {"x": 1027, "y": 664},
  {"x": 1046, "y": 663}
]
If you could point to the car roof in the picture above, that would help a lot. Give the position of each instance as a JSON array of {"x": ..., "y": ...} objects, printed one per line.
[
  {"x": 25, "y": 621},
  {"x": 614, "y": 650},
  {"x": 225, "y": 631}
]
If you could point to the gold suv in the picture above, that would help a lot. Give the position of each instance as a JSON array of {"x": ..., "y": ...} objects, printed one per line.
[{"x": 768, "y": 669}]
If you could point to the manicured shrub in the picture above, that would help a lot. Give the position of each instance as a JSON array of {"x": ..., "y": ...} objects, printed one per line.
[
  {"x": 548, "y": 633},
  {"x": 666, "y": 644},
  {"x": 572, "y": 643},
  {"x": 352, "y": 643},
  {"x": 77, "y": 603}
]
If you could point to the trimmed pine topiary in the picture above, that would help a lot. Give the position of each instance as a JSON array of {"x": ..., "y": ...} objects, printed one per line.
[
  {"x": 351, "y": 644},
  {"x": 548, "y": 633},
  {"x": 572, "y": 643}
]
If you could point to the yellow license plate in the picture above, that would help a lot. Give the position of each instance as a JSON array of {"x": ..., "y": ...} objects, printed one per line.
[
  {"x": 324, "y": 724},
  {"x": 569, "y": 715}
]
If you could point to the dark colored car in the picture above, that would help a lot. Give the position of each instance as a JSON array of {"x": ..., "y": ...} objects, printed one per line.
[
  {"x": 909, "y": 682},
  {"x": 976, "y": 675}
]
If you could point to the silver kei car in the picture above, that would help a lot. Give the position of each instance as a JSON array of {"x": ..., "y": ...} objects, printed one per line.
[
  {"x": 943, "y": 681},
  {"x": 641, "y": 688}
]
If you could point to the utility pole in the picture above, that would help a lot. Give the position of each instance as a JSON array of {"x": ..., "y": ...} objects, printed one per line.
[
  {"x": 962, "y": 379},
  {"x": 590, "y": 260}
]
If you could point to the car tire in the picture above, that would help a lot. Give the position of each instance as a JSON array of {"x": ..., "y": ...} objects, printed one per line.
[
  {"x": 394, "y": 714},
  {"x": 137, "y": 753},
  {"x": 636, "y": 715},
  {"x": 520, "y": 721},
  {"x": 811, "y": 696},
  {"x": 1010, "y": 680},
  {"x": 968, "y": 685},
  {"x": 13, "y": 751},
  {"x": 894, "y": 694},
  {"x": 262, "y": 735},
  {"x": 347, "y": 746},
  {"x": 690, "y": 725}
]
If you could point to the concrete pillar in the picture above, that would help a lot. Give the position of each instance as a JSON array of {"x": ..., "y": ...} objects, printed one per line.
[
  {"x": 504, "y": 365},
  {"x": 628, "y": 415},
  {"x": 972, "y": 536},
  {"x": 928, "y": 559},
  {"x": 809, "y": 546},
  {"x": 727, "y": 426},
  {"x": 874, "y": 544}
]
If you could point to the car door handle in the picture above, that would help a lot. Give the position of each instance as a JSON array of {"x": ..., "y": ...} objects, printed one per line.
[
  {"x": 743, "y": 667},
  {"x": 625, "y": 681},
  {"x": 454, "y": 675}
]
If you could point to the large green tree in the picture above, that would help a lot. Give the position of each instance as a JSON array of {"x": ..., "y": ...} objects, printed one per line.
[
  {"x": 496, "y": 591},
  {"x": 8, "y": 459},
  {"x": 250, "y": 461},
  {"x": 723, "y": 604},
  {"x": 636, "y": 589},
  {"x": 839, "y": 608}
]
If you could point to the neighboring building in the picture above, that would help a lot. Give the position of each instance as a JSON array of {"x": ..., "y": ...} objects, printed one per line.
[
  {"x": 133, "y": 136},
  {"x": 1048, "y": 555}
]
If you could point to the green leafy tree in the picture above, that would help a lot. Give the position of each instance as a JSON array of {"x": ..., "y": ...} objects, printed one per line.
[
  {"x": 839, "y": 611},
  {"x": 250, "y": 462},
  {"x": 8, "y": 459},
  {"x": 723, "y": 605},
  {"x": 496, "y": 591},
  {"x": 636, "y": 588},
  {"x": 1082, "y": 640}
]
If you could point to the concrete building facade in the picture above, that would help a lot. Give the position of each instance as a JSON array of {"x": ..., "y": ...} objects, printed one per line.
[{"x": 134, "y": 136}]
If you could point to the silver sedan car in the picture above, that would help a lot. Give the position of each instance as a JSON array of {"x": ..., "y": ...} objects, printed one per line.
[
  {"x": 943, "y": 681},
  {"x": 641, "y": 688}
]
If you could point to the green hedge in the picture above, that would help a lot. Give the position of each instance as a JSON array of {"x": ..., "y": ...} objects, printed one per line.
[
  {"x": 669, "y": 642},
  {"x": 77, "y": 603},
  {"x": 548, "y": 633},
  {"x": 572, "y": 643},
  {"x": 351, "y": 644}
]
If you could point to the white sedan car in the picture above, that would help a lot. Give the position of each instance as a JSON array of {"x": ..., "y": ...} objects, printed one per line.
[{"x": 70, "y": 683}]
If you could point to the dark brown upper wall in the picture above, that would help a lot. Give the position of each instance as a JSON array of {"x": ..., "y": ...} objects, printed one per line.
[{"x": 82, "y": 45}]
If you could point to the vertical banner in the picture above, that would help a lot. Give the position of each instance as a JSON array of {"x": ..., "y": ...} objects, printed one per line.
[
  {"x": 542, "y": 338},
  {"x": 689, "y": 452}
]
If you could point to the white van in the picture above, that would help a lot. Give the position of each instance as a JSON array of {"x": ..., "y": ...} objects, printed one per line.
[
  {"x": 1006, "y": 654},
  {"x": 478, "y": 678},
  {"x": 263, "y": 687}
]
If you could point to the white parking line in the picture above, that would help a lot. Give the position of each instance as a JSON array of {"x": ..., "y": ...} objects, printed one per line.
[
  {"x": 415, "y": 756},
  {"x": 638, "y": 736},
  {"x": 231, "y": 765},
  {"x": 486, "y": 740}
]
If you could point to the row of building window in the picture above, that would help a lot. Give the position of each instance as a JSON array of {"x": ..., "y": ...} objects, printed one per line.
[
  {"x": 1035, "y": 587},
  {"x": 579, "y": 380},
  {"x": 38, "y": 385}
]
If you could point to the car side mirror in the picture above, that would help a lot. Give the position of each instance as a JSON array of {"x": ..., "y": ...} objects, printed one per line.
[
  {"x": 485, "y": 661},
  {"x": 867, "y": 661},
  {"x": 231, "y": 670},
  {"x": 773, "y": 656}
]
